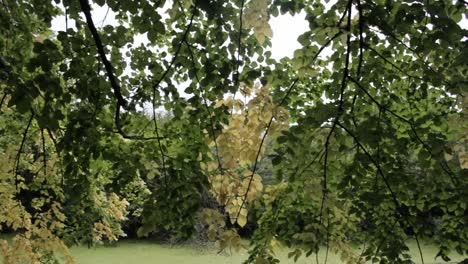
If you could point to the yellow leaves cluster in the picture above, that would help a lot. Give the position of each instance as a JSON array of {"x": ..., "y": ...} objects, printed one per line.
[
  {"x": 24, "y": 249},
  {"x": 38, "y": 232},
  {"x": 114, "y": 211},
  {"x": 102, "y": 229},
  {"x": 117, "y": 207},
  {"x": 240, "y": 141},
  {"x": 20, "y": 250},
  {"x": 216, "y": 230},
  {"x": 256, "y": 17},
  {"x": 215, "y": 222},
  {"x": 240, "y": 146},
  {"x": 39, "y": 237},
  {"x": 12, "y": 213},
  {"x": 460, "y": 148}
]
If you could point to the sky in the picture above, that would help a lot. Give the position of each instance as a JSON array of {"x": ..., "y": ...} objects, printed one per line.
[{"x": 286, "y": 29}]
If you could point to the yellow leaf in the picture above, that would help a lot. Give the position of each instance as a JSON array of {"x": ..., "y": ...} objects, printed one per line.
[
  {"x": 267, "y": 31},
  {"x": 243, "y": 212},
  {"x": 260, "y": 38},
  {"x": 242, "y": 220}
]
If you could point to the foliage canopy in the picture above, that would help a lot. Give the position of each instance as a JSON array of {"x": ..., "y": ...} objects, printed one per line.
[{"x": 364, "y": 126}]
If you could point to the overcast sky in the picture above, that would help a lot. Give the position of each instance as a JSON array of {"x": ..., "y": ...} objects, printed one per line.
[{"x": 286, "y": 29}]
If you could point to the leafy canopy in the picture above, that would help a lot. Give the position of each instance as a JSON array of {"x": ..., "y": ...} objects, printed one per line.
[{"x": 364, "y": 126}]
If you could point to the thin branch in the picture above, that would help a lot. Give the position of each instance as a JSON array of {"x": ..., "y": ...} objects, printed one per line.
[
  {"x": 361, "y": 38},
  {"x": 121, "y": 102},
  {"x": 2, "y": 100},
  {"x": 105, "y": 17},
  {"x": 443, "y": 164},
  {"x": 86, "y": 9},
  {"x": 387, "y": 184},
  {"x": 383, "y": 240},
  {"x": 310, "y": 164},
  {"x": 44, "y": 154},
  {"x": 260, "y": 147},
  {"x": 18, "y": 154},
  {"x": 281, "y": 102},
  {"x": 391, "y": 63},
  {"x": 54, "y": 141},
  {"x": 340, "y": 105},
  {"x": 428, "y": 66},
  {"x": 161, "y": 151},
  {"x": 384, "y": 178},
  {"x": 372, "y": 160},
  {"x": 239, "y": 43},
  {"x": 419, "y": 247},
  {"x": 239, "y": 50},
  {"x": 218, "y": 158},
  {"x": 181, "y": 8},
  {"x": 176, "y": 54},
  {"x": 328, "y": 236},
  {"x": 155, "y": 87}
]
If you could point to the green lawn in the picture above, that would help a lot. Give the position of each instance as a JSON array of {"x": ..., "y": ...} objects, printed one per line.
[
  {"x": 142, "y": 252},
  {"x": 146, "y": 252}
]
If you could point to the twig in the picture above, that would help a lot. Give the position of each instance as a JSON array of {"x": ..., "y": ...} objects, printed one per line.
[
  {"x": 391, "y": 63},
  {"x": 176, "y": 54},
  {"x": 239, "y": 50},
  {"x": 372, "y": 160},
  {"x": 340, "y": 105},
  {"x": 361, "y": 38},
  {"x": 260, "y": 147},
  {"x": 44, "y": 154},
  {"x": 18, "y": 154},
  {"x": 2, "y": 100},
  {"x": 105, "y": 17},
  {"x": 328, "y": 236},
  {"x": 218, "y": 158},
  {"x": 419, "y": 246},
  {"x": 428, "y": 66},
  {"x": 121, "y": 102},
  {"x": 54, "y": 141},
  {"x": 239, "y": 43},
  {"x": 445, "y": 168},
  {"x": 155, "y": 87}
]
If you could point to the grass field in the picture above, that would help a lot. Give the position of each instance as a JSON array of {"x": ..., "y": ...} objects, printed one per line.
[
  {"x": 147, "y": 252},
  {"x": 143, "y": 252}
]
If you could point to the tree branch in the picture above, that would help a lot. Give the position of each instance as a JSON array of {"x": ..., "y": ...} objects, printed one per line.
[
  {"x": 18, "y": 154},
  {"x": 2, "y": 100},
  {"x": 361, "y": 38},
  {"x": 239, "y": 44},
  {"x": 372, "y": 160},
  {"x": 218, "y": 158},
  {"x": 44, "y": 154},
  {"x": 391, "y": 63},
  {"x": 121, "y": 102},
  {"x": 340, "y": 104},
  {"x": 443, "y": 164},
  {"x": 260, "y": 148},
  {"x": 86, "y": 9}
]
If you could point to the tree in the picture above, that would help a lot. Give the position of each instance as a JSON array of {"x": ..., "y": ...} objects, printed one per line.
[{"x": 350, "y": 128}]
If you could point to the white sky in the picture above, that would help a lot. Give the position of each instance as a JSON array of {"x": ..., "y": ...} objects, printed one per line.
[{"x": 286, "y": 29}]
